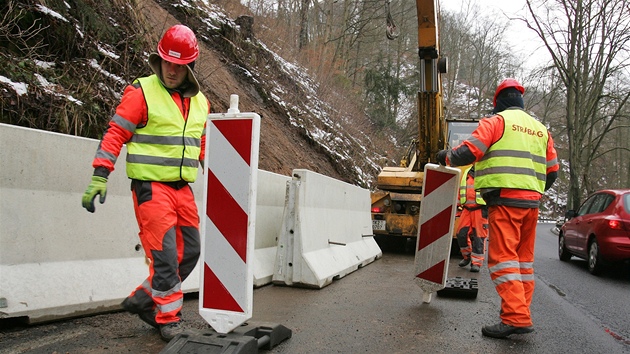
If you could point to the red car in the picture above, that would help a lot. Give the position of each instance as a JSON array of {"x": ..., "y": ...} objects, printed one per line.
[{"x": 599, "y": 231}]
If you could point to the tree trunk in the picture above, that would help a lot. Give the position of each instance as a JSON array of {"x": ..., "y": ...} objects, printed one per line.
[{"x": 303, "y": 41}]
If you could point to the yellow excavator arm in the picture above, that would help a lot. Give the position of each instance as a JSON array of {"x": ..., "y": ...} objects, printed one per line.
[
  {"x": 396, "y": 201},
  {"x": 431, "y": 123}
]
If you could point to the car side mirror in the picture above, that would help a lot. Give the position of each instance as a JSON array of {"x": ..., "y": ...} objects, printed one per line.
[{"x": 570, "y": 214}]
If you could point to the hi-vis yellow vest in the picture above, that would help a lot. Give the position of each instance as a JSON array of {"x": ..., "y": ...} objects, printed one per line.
[
  {"x": 167, "y": 148},
  {"x": 519, "y": 159},
  {"x": 464, "y": 186}
]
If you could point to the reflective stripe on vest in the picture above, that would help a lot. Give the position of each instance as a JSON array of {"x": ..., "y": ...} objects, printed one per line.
[
  {"x": 465, "y": 188},
  {"x": 166, "y": 149},
  {"x": 517, "y": 160}
]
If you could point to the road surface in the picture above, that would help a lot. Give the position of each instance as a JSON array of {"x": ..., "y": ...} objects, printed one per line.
[{"x": 379, "y": 309}]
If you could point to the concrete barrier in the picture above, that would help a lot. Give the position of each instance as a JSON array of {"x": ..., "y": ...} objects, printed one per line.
[
  {"x": 270, "y": 201},
  {"x": 326, "y": 232},
  {"x": 56, "y": 259}
]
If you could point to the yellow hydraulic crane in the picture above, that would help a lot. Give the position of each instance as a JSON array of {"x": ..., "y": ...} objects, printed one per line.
[{"x": 396, "y": 201}]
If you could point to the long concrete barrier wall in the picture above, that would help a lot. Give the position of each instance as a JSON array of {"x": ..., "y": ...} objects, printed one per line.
[
  {"x": 326, "y": 233},
  {"x": 56, "y": 259}
]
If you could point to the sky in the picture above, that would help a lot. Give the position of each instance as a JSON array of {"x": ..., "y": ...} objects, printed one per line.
[{"x": 524, "y": 41}]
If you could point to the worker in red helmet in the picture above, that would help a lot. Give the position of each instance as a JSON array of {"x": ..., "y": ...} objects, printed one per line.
[
  {"x": 162, "y": 119},
  {"x": 515, "y": 163}
]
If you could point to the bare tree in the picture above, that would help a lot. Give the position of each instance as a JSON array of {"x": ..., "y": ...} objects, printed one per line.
[
  {"x": 479, "y": 57},
  {"x": 25, "y": 41},
  {"x": 588, "y": 42}
]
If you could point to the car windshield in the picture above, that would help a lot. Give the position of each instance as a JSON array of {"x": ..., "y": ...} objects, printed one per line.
[{"x": 626, "y": 202}]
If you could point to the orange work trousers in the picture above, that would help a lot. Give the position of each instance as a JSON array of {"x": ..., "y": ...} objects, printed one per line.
[
  {"x": 471, "y": 235},
  {"x": 169, "y": 232},
  {"x": 511, "y": 260}
]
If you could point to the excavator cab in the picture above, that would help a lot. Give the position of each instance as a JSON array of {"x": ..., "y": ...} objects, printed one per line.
[{"x": 460, "y": 130}]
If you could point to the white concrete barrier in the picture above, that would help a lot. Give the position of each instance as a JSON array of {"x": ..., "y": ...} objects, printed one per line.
[
  {"x": 58, "y": 260},
  {"x": 270, "y": 201},
  {"x": 326, "y": 232}
]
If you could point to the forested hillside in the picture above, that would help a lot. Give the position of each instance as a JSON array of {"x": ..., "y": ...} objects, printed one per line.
[
  {"x": 336, "y": 96},
  {"x": 66, "y": 64}
]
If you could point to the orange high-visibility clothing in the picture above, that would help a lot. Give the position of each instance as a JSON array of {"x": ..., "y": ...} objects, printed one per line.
[
  {"x": 132, "y": 113},
  {"x": 165, "y": 207},
  {"x": 511, "y": 260},
  {"x": 518, "y": 159},
  {"x": 471, "y": 236},
  {"x": 169, "y": 233},
  {"x": 489, "y": 131},
  {"x": 512, "y": 203},
  {"x": 473, "y": 225},
  {"x": 168, "y": 147}
]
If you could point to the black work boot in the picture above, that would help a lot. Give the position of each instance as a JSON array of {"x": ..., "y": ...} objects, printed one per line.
[
  {"x": 502, "y": 330},
  {"x": 169, "y": 331},
  {"x": 474, "y": 268},
  {"x": 147, "y": 315},
  {"x": 464, "y": 262}
]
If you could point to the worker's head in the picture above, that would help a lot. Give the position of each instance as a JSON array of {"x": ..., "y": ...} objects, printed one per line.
[
  {"x": 175, "y": 58},
  {"x": 509, "y": 93},
  {"x": 178, "y": 45}
]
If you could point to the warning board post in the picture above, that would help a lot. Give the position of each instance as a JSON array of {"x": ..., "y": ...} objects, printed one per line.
[
  {"x": 228, "y": 224},
  {"x": 435, "y": 227}
]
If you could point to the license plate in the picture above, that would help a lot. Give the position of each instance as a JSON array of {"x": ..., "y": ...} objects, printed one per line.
[{"x": 378, "y": 224}]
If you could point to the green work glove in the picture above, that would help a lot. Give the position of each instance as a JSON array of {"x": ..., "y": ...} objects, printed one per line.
[{"x": 98, "y": 186}]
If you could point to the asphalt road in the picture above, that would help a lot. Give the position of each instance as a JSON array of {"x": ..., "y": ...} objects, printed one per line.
[
  {"x": 379, "y": 309},
  {"x": 603, "y": 298}
]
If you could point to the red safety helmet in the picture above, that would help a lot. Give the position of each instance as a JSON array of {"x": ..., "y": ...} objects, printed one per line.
[
  {"x": 178, "y": 45},
  {"x": 505, "y": 84}
]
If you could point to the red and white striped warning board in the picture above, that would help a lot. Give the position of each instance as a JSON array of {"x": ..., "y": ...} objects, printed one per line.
[
  {"x": 227, "y": 236},
  {"x": 435, "y": 228}
]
